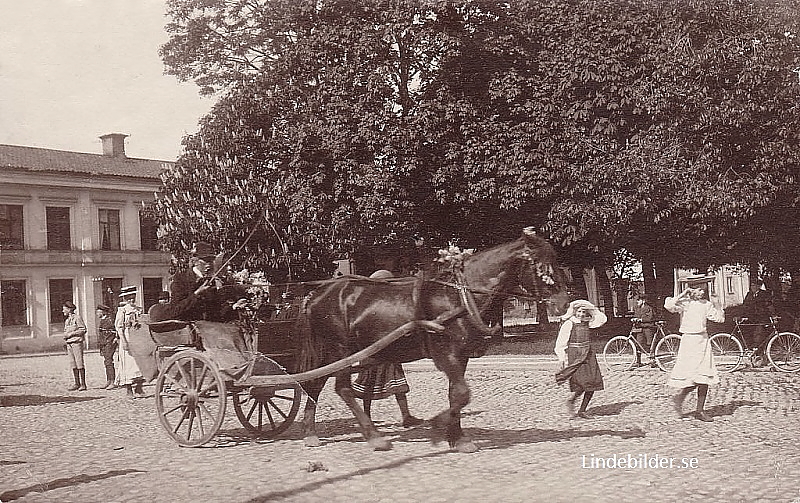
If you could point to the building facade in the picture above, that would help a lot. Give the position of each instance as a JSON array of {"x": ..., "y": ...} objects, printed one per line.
[{"x": 72, "y": 227}]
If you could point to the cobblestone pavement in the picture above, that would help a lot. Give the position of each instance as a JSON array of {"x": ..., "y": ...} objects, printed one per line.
[{"x": 96, "y": 446}]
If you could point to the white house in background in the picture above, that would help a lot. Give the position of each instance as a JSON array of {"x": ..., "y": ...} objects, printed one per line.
[{"x": 72, "y": 228}]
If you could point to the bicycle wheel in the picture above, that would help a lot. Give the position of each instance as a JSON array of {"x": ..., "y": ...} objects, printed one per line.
[
  {"x": 667, "y": 351},
  {"x": 783, "y": 351},
  {"x": 727, "y": 351},
  {"x": 619, "y": 354}
]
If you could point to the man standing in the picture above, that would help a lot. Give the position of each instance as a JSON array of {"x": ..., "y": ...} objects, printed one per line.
[{"x": 108, "y": 342}]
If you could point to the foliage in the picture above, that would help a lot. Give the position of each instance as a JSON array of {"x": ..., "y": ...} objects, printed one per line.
[{"x": 669, "y": 129}]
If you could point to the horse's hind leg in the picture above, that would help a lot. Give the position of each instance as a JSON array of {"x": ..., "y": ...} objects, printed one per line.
[
  {"x": 449, "y": 420},
  {"x": 371, "y": 434},
  {"x": 313, "y": 390}
]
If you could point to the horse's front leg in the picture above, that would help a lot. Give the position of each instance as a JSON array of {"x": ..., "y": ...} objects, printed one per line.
[
  {"x": 449, "y": 420},
  {"x": 309, "y": 424},
  {"x": 344, "y": 389}
]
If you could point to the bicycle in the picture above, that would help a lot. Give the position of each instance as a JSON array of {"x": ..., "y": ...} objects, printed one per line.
[
  {"x": 620, "y": 352},
  {"x": 782, "y": 349}
]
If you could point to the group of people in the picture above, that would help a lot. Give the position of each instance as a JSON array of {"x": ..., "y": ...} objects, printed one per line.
[
  {"x": 113, "y": 341},
  {"x": 694, "y": 368}
]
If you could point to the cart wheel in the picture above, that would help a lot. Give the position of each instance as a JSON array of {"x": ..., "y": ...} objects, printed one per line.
[
  {"x": 727, "y": 351},
  {"x": 190, "y": 398},
  {"x": 619, "y": 353},
  {"x": 666, "y": 351},
  {"x": 267, "y": 411},
  {"x": 783, "y": 352}
]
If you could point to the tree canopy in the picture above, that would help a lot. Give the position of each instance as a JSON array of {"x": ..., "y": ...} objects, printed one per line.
[{"x": 669, "y": 129}]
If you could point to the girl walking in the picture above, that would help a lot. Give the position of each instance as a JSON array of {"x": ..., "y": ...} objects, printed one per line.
[
  {"x": 694, "y": 364},
  {"x": 578, "y": 361}
]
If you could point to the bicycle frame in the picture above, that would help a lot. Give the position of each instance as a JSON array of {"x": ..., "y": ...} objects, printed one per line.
[
  {"x": 623, "y": 352},
  {"x": 782, "y": 349},
  {"x": 749, "y": 350},
  {"x": 657, "y": 336}
]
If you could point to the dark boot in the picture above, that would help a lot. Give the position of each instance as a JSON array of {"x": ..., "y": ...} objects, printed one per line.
[
  {"x": 408, "y": 419},
  {"x": 587, "y": 396},
  {"x": 82, "y": 376},
  {"x": 129, "y": 391},
  {"x": 367, "y": 406},
  {"x": 110, "y": 376},
  {"x": 137, "y": 388},
  {"x": 77, "y": 377},
  {"x": 701, "y": 414}
]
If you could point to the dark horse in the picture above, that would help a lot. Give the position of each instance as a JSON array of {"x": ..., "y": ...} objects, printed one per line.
[{"x": 448, "y": 317}]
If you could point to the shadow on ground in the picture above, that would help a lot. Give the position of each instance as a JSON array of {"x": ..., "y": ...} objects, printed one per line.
[
  {"x": 28, "y": 400},
  {"x": 727, "y": 409},
  {"x": 15, "y": 494}
]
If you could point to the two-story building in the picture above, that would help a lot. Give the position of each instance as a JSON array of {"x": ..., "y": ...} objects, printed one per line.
[{"x": 72, "y": 228}]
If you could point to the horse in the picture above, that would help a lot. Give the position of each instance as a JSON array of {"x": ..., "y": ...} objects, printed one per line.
[{"x": 445, "y": 319}]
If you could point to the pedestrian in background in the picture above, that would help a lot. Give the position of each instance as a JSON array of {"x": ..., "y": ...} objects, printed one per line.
[
  {"x": 384, "y": 380},
  {"x": 74, "y": 334},
  {"x": 644, "y": 315},
  {"x": 129, "y": 376},
  {"x": 107, "y": 342},
  {"x": 577, "y": 358},
  {"x": 694, "y": 363}
]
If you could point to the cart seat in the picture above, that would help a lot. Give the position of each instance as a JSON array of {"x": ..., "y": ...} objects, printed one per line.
[
  {"x": 160, "y": 327},
  {"x": 172, "y": 333}
]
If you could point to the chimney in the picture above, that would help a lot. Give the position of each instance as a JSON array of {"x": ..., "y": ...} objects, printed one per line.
[{"x": 114, "y": 144}]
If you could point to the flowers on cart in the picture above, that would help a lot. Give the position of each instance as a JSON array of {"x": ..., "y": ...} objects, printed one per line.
[{"x": 257, "y": 291}]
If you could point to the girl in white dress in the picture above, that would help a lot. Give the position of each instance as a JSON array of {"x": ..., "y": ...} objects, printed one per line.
[{"x": 694, "y": 364}]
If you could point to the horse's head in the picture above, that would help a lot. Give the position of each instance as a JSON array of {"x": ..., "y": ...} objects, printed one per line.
[{"x": 540, "y": 275}]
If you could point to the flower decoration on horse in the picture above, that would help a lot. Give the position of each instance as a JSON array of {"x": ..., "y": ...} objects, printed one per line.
[{"x": 454, "y": 257}]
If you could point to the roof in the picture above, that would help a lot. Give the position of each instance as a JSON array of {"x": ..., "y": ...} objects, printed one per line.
[{"x": 63, "y": 161}]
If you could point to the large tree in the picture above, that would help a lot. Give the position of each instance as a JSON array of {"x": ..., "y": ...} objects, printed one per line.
[{"x": 665, "y": 128}]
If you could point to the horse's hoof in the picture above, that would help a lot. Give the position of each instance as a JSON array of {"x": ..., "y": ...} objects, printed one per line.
[
  {"x": 380, "y": 444},
  {"x": 312, "y": 441},
  {"x": 466, "y": 446}
]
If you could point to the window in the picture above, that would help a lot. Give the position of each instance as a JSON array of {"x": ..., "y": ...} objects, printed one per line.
[
  {"x": 60, "y": 292},
  {"x": 151, "y": 287},
  {"x": 109, "y": 229},
  {"x": 148, "y": 232},
  {"x": 729, "y": 284},
  {"x": 58, "y": 228},
  {"x": 11, "y": 230},
  {"x": 111, "y": 288},
  {"x": 14, "y": 303}
]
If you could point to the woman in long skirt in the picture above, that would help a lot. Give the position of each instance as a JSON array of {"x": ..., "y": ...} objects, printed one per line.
[{"x": 129, "y": 376}]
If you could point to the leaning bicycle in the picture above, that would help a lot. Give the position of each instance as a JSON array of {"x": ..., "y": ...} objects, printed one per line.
[
  {"x": 782, "y": 349},
  {"x": 623, "y": 351}
]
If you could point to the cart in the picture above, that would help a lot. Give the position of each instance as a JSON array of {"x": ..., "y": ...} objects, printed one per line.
[{"x": 200, "y": 364}]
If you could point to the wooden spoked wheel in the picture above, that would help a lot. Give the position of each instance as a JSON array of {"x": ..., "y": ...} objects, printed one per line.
[
  {"x": 267, "y": 411},
  {"x": 190, "y": 398}
]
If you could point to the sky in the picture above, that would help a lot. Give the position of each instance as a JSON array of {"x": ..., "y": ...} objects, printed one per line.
[{"x": 73, "y": 70}]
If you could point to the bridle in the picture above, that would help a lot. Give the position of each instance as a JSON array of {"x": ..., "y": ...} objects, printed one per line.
[{"x": 466, "y": 293}]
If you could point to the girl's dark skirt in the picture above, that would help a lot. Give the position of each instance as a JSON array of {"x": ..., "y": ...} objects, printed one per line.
[
  {"x": 380, "y": 381},
  {"x": 582, "y": 369}
]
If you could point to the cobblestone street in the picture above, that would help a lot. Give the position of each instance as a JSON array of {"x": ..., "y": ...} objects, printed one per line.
[{"x": 97, "y": 446}]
